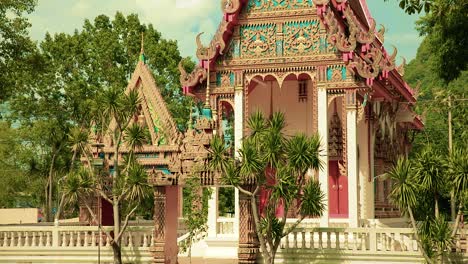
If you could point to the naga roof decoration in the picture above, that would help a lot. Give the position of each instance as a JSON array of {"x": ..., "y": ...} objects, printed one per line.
[{"x": 349, "y": 27}]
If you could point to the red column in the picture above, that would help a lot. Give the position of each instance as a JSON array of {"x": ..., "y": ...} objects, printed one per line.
[
  {"x": 165, "y": 225},
  {"x": 248, "y": 241}
]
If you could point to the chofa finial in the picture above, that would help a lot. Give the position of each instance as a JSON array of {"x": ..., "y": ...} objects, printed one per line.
[{"x": 142, "y": 50}]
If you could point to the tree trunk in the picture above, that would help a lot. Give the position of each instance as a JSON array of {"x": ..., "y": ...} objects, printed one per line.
[
  {"x": 457, "y": 221},
  {"x": 453, "y": 206},
  {"x": 416, "y": 234},
  {"x": 436, "y": 205},
  {"x": 117, "y": 252},
  {"x": 116, "y": 249},
  {"x": 73, "y": 160},
  {"x": 59, "y": 209},
  {"x": 51, "y": 178}
]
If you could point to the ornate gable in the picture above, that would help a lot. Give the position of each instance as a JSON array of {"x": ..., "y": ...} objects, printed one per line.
[{"x": 153, "y": 110}]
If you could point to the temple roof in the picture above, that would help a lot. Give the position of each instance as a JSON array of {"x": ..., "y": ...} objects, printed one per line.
[
  {"x": 360, "y": 15},
  {"x": 155, "y": 107}
]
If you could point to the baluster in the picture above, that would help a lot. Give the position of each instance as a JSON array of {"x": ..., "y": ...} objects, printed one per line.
[
  {"x": 107, "y": 241},
  {"x": 402, "y": 242},
  {"x": 337, "y": 240},
  {"x": 93, "y": 239},
  {"x": 363, "y": 241},
  {"x": 320, "y": 242},
  {"x": 152, "y": 239},
  {"x": 48, "y": 240},
  {"x": 393, "y": 244},
  {"x": 86, "y": 239},
  {"x": 145, "y": 239},
  {"x": 383, "y": 240},
  {"x": 5, "y": 239},
  {"x": 329, "y": 239},
  {"x": 20, "y": 239},
  {"x": 64, "y": 238},
  {"x": 130, "y": 239},
  {"x": 303, "y": 241},
  {"x": 72, "y": 239},
  {"x": 355, "y": 242},
  {"x": 26, "y": 239},
  {"x": 12, "y": 239},
  {"x": 312, "y": 242},
  {"x": 78, "y": 238},
  {"x": 33, "y": 241},
  {"x": 295, "y": 239},
  {"x": 101, "y": 240},
  {"x": 287, "y": 241},
  {"x": 41, "y": 239},
  {"x": 346, "y": 240}
]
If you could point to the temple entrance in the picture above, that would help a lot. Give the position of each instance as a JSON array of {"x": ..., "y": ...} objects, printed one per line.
[
  {"x": 337, "y": 183},
  {"x": 338, "y": 192}
]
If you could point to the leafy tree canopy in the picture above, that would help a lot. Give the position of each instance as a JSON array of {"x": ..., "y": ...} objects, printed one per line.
[{"x": 15, "y": 45}]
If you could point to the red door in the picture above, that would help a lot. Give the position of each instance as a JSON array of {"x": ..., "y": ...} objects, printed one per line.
[{"x": 337, "y": 192}]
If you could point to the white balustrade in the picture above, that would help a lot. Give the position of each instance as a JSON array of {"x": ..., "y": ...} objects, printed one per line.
[
  {"x": 71, "y": 236},
  {"x": 351, "y": 239}
]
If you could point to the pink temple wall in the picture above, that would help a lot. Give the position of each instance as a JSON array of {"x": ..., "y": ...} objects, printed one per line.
[{"x": 298, "y": 114}]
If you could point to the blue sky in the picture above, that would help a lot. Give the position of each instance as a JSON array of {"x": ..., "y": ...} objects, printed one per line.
[{"x": 183, "y": 19}]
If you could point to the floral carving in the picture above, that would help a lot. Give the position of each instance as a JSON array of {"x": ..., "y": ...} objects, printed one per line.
[
  {"x": 268, "y": 5},
  {"x": 301, "y": 38},
  {"x": 257, "y": 40}
]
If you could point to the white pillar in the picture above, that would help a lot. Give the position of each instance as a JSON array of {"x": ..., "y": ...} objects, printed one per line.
[
  {"x": 213, "y": 213},
  {"x": 366, "y": 196},
  {"x": 322, "y": 108},
  {"x": 238, "y": 134},
  {"x": 238, "y": 118},
  {"x": 351, "y": 137}
]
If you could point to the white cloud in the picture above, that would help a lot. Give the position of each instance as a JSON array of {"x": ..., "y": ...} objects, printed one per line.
[{"x": 182, "y": 20}]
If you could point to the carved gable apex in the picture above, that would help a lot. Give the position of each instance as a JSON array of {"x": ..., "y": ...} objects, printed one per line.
[{"x": 153, "y": 111}]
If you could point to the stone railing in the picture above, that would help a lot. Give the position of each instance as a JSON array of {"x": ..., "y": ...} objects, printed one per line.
[
  {"x": 60, "y": 244},
  {"x": 71, "y": 236},
  {"x": 357, "y": 245},
  {"x": 352, "y": 239}
]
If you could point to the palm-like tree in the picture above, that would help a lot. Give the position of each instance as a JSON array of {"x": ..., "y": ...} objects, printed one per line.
[
  {"x": 78, "y": 140},
  {"x": 430, "y": 173},
  {"x": 277, "y": 164},
  {"x": 404, "y": 194},
  {"x": 458, "y": 174},
  {"x": 113, "y": 112}
]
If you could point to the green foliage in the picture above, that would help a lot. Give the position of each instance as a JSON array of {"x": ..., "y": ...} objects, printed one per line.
[
  {"x": 226, "y": 199},
  {"x": 195, "y": 211},
  {"x": 136, "y": 184},
  {"x": 271, "y": 161},
  {"x": 458, "y": 171},
  {"x": 445, "y": 28},
  {"x": 17, "y": 51},
  {"x": 430, "y": 169},
  {"x": 404, "y": 187},
  {"x": 312, "y": 198},
  {"x": 415, "y": 6},
  {"x": 77, "y": 185}
]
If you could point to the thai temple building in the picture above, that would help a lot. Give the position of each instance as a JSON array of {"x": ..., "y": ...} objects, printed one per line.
[{"x": 320, "y": 62}]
